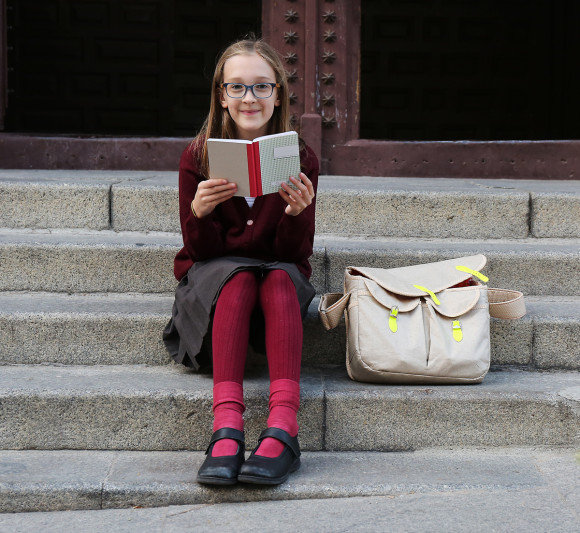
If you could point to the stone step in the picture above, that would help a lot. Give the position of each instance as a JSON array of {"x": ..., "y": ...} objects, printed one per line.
[
  {"x": 56, "y": 198},
  {"x": 388, "y": 207},
  {"x": 434, "y": 208},
  {"x": 533, "y": 266},
  {"x": 87, "y": 261},
  {"x": 166, "y": 408},
  {"x": 68, "y": 480},
  {"x": 124, "y": 329},
  {"x": 83, "y": 329},
  {"x": 107, "y": 261}
]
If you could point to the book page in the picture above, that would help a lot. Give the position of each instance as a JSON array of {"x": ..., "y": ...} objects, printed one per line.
[
  {"x": 228, "y": 158},
  {"x": 279, "y": 159}
]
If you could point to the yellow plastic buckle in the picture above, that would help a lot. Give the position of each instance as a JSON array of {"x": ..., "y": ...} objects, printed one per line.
[
  {"x": 430, "y": 293},
  {"x": 393, "y": 319},
  {"x": 457, "y": 332},
  {"x": 475, "y": 273}
]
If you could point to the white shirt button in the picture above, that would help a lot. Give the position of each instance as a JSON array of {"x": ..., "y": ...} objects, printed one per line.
[{"x": 250, "y": 222}]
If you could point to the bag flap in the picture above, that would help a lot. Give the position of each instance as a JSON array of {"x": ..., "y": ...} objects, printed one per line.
[
  {"x": 433, "y": 276},
  {"x": 456, "y": 302},
  {"x": 389, "y": 299}
]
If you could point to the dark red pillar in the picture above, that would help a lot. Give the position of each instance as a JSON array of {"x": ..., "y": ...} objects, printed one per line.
[
  {"x": 319, "y": 42},
  {"x": 3, "y": 63}
]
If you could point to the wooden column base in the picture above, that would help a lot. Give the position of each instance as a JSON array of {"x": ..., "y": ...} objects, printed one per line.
[{"x": 311, "y": 132}]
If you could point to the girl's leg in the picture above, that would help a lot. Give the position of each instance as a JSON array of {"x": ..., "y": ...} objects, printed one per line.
[
  {"x": 231, "y": 328},
  {"x": 284, "y": 351}
]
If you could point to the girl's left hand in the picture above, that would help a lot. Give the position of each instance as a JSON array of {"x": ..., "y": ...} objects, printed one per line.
[{"x": 298, "y": 200}]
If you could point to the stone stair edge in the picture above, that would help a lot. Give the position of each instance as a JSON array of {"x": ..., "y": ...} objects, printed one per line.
[
  {"x": 165, "y": 408},
  {"x": 174, "y": 381},
  {"x": 135, "y": 203},
  {"x": 114, "y": 328},
  {"x": 84, "y": 236},
  {"x": 69, "y": 479},
  {"x": 88, "y": 237},
  {"x": 108, "y": 262},
  {"x": 316, "y": 381},
  {"x": 163, "y": 179},
  {"x": 64, "y": 304},
  {"x": 28, "y": 302}
]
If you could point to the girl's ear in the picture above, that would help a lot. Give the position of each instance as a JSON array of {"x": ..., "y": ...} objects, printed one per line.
[{"x": 222, "y": 98}]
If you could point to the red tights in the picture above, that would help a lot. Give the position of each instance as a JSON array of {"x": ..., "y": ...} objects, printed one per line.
[{"x": 231, "y": 324}]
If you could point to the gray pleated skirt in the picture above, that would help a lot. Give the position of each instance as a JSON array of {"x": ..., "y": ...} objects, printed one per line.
[{"x": 187, "y": 336}]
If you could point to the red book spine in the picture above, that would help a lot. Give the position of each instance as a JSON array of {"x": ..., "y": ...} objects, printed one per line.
[
  {"x": 251, "y": 169},
  {"x": 254, "y": 173},
  {"x": 257, "y": 169}
]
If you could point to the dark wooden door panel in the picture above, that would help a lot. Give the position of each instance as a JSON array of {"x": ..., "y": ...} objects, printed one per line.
[
  {"x": 484, "y": 69},
  {"x": 3, "y": 63},
  {"x": 118, "y": 67}
]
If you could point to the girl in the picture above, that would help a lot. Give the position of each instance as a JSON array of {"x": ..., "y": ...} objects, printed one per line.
[{"x": 244, "y": 267}]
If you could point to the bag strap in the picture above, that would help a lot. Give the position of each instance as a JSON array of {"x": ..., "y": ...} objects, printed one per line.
[
  {"x": 331, "y": 308},
  {"x": 503, "y": 303},
  {"x": 506, "y": 304}
]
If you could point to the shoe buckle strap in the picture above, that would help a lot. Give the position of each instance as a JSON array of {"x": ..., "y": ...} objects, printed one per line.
[
  {"x": 282, "y": 436},
  {"x": 226, "y": 433}
]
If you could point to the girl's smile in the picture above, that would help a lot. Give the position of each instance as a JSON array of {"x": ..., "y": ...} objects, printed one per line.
[{"x": 250, "y": 114}]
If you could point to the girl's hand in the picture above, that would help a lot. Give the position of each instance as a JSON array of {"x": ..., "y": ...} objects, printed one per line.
[
  {"x": 298, "y": 200},
  {"x": 211, "y": 193}
]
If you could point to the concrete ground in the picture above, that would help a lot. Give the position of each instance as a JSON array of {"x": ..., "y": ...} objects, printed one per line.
[{"x": 492, "y": 490}]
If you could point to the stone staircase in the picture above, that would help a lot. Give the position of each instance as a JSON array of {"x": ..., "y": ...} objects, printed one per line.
[{"x": 86, "y": 288}]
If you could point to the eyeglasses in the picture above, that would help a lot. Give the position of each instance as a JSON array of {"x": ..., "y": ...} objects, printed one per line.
[{"x": 259, "y": 90}]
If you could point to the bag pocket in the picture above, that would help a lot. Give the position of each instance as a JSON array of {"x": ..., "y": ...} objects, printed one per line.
[
  {"x": 459, "y": 345},
  {"x": 389, "y": 331}
]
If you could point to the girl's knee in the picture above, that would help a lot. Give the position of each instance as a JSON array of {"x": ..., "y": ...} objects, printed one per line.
[
  {"x": 278, "y": 277},
  {"x": 242, "y": 285}
]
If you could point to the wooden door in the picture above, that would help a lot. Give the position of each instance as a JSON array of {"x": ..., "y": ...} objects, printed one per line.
[
  {"x": 3, "y": 63},
  {"x": 479, "y": 70},
  {"x": 119, "y": 67}
]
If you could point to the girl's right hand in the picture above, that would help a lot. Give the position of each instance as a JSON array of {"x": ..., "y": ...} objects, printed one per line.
[{"x": 211, "y": 193}]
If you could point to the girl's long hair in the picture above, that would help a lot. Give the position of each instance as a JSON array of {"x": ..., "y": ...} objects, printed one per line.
[{"x": 218, "y": 123}]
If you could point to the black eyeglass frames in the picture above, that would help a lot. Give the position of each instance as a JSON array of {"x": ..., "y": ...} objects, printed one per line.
[{"x": 259, "y": 90}]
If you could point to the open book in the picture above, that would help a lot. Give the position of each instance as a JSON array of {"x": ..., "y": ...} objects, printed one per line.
[{"x": 258, "y": 166}]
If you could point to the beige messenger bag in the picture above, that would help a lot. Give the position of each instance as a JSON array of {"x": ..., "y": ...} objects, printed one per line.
[{"x": 420, "y": 324}]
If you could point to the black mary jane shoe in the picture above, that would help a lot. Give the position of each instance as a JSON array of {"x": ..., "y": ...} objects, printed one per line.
[
  {"x": 272, "y": 470},
  {"x": 222, "y": 470}
]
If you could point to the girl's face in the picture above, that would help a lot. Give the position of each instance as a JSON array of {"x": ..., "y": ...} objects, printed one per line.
[{"x": 250, "y": 114}]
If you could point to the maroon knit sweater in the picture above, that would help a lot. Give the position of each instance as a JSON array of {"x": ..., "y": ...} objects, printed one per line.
[{"x": 262, "y": 232}]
